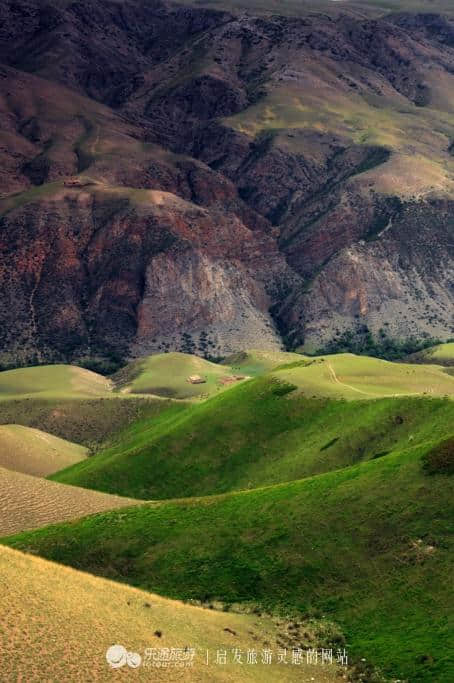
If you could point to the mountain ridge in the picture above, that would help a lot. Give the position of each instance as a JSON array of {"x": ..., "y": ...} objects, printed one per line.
[{"x": 184, "y": 178}]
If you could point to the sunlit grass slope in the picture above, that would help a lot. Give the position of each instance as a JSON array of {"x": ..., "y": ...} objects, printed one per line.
[
  {"x": 52, "y": 380},
  {"x": 167, "y": 374},
  {"x": 345, "y": 375},
  {"x": 258, "y": 433},
  {"x": 369, "y": 546},
  {"x": 442, "y": 354},
  {"x": 28, "y": 502},
  {"x": 32, "y": 451},
  {"x": 57, "y": 624},
  {"x": 254, "y": 363}
]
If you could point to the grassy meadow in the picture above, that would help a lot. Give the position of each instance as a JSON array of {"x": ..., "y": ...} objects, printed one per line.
[
  {"x": 166, "y": 375},
  {"x": 442, "y": 354},
  {"x": 51, "y": 381},
  {"x": 367, "y": 546},
  {"x": 348, "y": 376},
  {"x": 317, "y": 490}
]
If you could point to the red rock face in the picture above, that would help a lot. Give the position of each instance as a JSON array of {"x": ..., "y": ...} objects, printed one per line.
[{"x": 135, "y": 218}]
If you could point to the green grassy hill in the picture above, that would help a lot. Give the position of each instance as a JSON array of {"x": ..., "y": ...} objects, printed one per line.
[
  {"x": 32, "y": 451},
  {"x": 369, "y": 546},
  {"x": 167, "y": 374},
  {"x": 253, "y": 435},
  {"x": 49, "y": 381},
  {"x": 442, "y": 354},
  {"x": 253, "y": 363},
  {"x": 71, "y": 402},
  {"x": 345, "y": 375},
  {"x": 50, "y": 634},
  {"x": 320, "y": 488}
]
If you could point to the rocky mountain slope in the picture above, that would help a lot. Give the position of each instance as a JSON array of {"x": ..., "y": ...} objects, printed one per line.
[{"x": 180, "y": 177}]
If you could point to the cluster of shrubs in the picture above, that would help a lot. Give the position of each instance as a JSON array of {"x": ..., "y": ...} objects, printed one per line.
[
  {"x": 440, "y": 460},
  {"x": 362, "y": 342}
]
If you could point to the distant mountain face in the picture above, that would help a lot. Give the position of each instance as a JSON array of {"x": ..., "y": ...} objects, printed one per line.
[{"x": 175, "y": 177}]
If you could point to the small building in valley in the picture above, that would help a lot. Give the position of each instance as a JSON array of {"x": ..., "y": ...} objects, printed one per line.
[{"x": 196, "y": 379}]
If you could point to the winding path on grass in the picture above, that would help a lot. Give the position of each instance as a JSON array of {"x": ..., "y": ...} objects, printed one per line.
[{"x": 336, "y": 379}]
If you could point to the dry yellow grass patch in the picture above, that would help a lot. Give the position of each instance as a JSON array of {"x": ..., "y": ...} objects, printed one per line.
[
  {"x": 56, "y": 624},
  {"x": 29, "y": 502},
  {"x": 32, "y": 451}
]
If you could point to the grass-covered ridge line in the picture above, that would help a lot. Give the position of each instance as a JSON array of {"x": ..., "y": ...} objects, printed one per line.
[
  {"x": 35, "y": 452},
  {"x": 167, "y": 375},
  {"x": 48, "y": 381},
  {"x": 256, "y": 434},
  {"x": 442, "y": 354},
  {"x": 345, "y": 375},
  {"x": 368, "y": 546},
  {"x": 71, "y": 402}
]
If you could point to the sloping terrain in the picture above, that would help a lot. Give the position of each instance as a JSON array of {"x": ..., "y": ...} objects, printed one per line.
[
  {"x": 265, "y": 432},
  {"x": 442, "y": 354},
  {"x": 169, "y": 375},
  {"x": 27, "y": 502},
  {"x": 345, "y": 375},
  {"x": 70, "y": 402},
  {"x": 369, "y": 546},
  {"x": 32, "y": 451},
  {"x": 256, "y": 362},
  {"x": 49, "y": 381},
  {"x": 362, "y": 8},
  {"x": 87, "y": 421},
  {"x": 260, "y": 178},
  {"x": 48, "y": 633}
]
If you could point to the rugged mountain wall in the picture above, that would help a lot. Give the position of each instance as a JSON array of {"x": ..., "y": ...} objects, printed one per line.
[{"x": 179, "y": 177}]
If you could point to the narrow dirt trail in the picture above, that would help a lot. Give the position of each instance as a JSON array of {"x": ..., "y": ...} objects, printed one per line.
[
  {"x": 337, "y": 380},
  {"x": 367, "y": 393}
]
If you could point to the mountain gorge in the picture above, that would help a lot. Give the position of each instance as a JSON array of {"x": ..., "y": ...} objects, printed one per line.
[{"x": 180, "y": 177}]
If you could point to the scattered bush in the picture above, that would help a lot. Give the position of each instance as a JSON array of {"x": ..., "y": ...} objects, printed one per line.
[
  {"x": 361, "y": 342},
  {"x": 440, "y": 460}
]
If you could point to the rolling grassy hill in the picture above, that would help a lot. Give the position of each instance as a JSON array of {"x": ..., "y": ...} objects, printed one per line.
[
  {"x": 49, "y": 634},
  {"x": 369, "y": 546},
  {"x": 28, "y": 502},
  {"x": 266, "y": 432},
  {"x": 346, "y": 375},
  {"x": 71, "y": 402},
  {"x": 166, "y": 374},
  {"x": 50, "y": 381},
  {"x": 253, "y": 363},
  {"x": 32, "y": 451},
  {"x": 321, "y": 488},
  {"x": 442, "y": 354}
]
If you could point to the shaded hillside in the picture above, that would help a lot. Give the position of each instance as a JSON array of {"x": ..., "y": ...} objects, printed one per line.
[{"x": 369, "y": 546}]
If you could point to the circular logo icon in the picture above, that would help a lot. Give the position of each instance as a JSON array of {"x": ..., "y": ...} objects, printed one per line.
[
  {"x": 116, "y": 656},
  {"x": 134, "y": 660}
]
